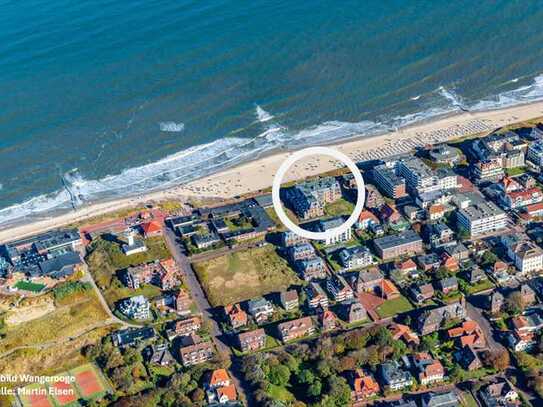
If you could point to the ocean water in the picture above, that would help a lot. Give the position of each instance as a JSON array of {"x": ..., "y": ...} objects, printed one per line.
[{"x": 105, "y": 98}]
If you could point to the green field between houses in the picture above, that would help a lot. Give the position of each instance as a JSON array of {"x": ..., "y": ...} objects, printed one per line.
[
  {"x": 392, "y": 307},
  {"x": 236, "y": 277},
  {"x": 29, "y": 286}
]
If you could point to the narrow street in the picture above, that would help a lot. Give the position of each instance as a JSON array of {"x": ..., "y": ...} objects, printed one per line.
[{"x": 204, "y": 307}]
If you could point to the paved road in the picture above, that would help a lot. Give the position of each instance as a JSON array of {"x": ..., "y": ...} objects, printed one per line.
[{"x": 205, "y": 309}]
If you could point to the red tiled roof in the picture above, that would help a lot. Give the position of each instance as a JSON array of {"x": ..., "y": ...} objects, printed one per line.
[
  {"x": 218, "y": 376},
  {"x": 151, "y": 227}
]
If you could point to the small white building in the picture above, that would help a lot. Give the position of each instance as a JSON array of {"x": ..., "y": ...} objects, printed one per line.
[
  {"x": 526, "y": 255},
  {"x": 325, "y": 225}
]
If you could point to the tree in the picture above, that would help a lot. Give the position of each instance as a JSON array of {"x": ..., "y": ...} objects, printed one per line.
[
  {"x": 514, "y": 303},
  {"x": 197, "y": 395},
  {"x": 315, "y": 389},
  {"x": 279, "y": 375},
  {"x": 339, "y": 392},
  {"x": 305, "y": 376},
  {"x": 498, "y": 360}
]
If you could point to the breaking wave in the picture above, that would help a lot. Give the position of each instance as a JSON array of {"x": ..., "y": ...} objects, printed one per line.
[
  {"x": 201, "y": 160},
  {"x": 172, "y": 127},
  {"x": 262, "y": 115}
]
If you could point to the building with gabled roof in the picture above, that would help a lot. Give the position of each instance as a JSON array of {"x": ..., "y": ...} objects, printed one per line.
[
  {"x": 363, "y": 385},
  {"x": 252, "y": 340},
  {"x": 297, "y": 328}
]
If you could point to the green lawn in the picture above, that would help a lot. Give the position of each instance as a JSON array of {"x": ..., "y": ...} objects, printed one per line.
[
  {"x": 340, "y": 207},
  {"x": 236, "y": 277},
  {"x": 512, "y": 172},
  {"x": 392, "y": 307},
  {"x": 481, "y": 286},
  {"x": 28, "y": 286},
  {"x": 467, "y": 399},
  {"x": 106, "y": 258},
  {"x": 273, "y": 216},
  {"x": 280, "y": 393}
]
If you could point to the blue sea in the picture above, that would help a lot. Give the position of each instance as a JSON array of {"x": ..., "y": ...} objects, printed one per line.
[{"x": 104, "y": 98}]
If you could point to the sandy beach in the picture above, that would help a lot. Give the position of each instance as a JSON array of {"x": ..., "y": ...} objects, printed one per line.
[{"x": 258, "y": 175}]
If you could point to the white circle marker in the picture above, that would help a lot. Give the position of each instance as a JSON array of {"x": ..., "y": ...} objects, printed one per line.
[{"x": 276, "y": 187}]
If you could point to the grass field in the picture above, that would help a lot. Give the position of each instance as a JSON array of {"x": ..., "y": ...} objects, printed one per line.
[
  {"x": 239, "y": 276},
  {"x": 53, "y": 359},
  {"x": 393, "y": 307},
  {"x": 340, "y": 207},
  {"x": 106, "y": 258},
  {"x": 65, "y": 321},
  {"x": 273, "y": 216},
  {"x": 28, "y": 286}
]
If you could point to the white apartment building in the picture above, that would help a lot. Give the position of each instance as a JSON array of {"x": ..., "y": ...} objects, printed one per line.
[
  {"x": 526, "y": 255},
  {"x": 481, "y": 217},
  {"x": 325, "y": 225},
  {"x": 535, "y": 153},
  {"x": 422, "y": 179}
]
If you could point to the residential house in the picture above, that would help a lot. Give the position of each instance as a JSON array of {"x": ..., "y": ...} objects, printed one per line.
[
  {"x": 458, "y": 251},
  {"x": 355, "y": 257},
  {"x": 152, "y": 228},
  {"x": 404, "y": 243},
  {"x": 448, "y": 285},
  {"x": 135, "y": 307},
  {"x": 235, "y": 316},
  {"x": 429, "y": 262},
  {"x": 300, "y": 251},
  {"x": 430, "y": 321},
  {"x": 374, "y": 200},
  {"x": 159, "y": 354},
  {"x": 498, "y": 393},
  {"x": 132, "y": 336},
  {"x": 527, "y": 294},
  {"x": 183, "y": 302},
  {"x": 388, "y": 290},
  {"x": 429, "y": 370},
  {"x": 260, "y": 308},
  {"x": 475, "y": 275},
  {"x": 467, "y": 358},
  {"x": 363, "y": 385},
  {"x": 421, "y": 292},
  {"x": 196, "y": 353},
  {"x": 446, "y": 399},
  {"x": 404, "y": 333},
  {"x": 252, "y": 340},
  {"x": 394, "y": 376},
  {"x": 295, "y": 329},
  {"x": 366, "y": 220},
  {"x": 316, "y": 296},
  {"x": 289, "y": 300},
  {"x": 496, "y": 302},
  {"x": 332, "y": 223},
  {"x": 468, "y": 334},
  {"x": 369, "y": 281},
  {"x": 520, "y": 199},
  {"x": 311, "y": 269},
  {"x": 219, "y": 388},
  {"x": 328, "y": 320},
  {"x": 407, "y": 267},
  {"x": 526, "y": 255},
  {"x": 338, "y": 288},
  {"x": 449, "y": 263},
  {"x": 184, "y": 327},
  {"x": 289, "y": 238}
]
